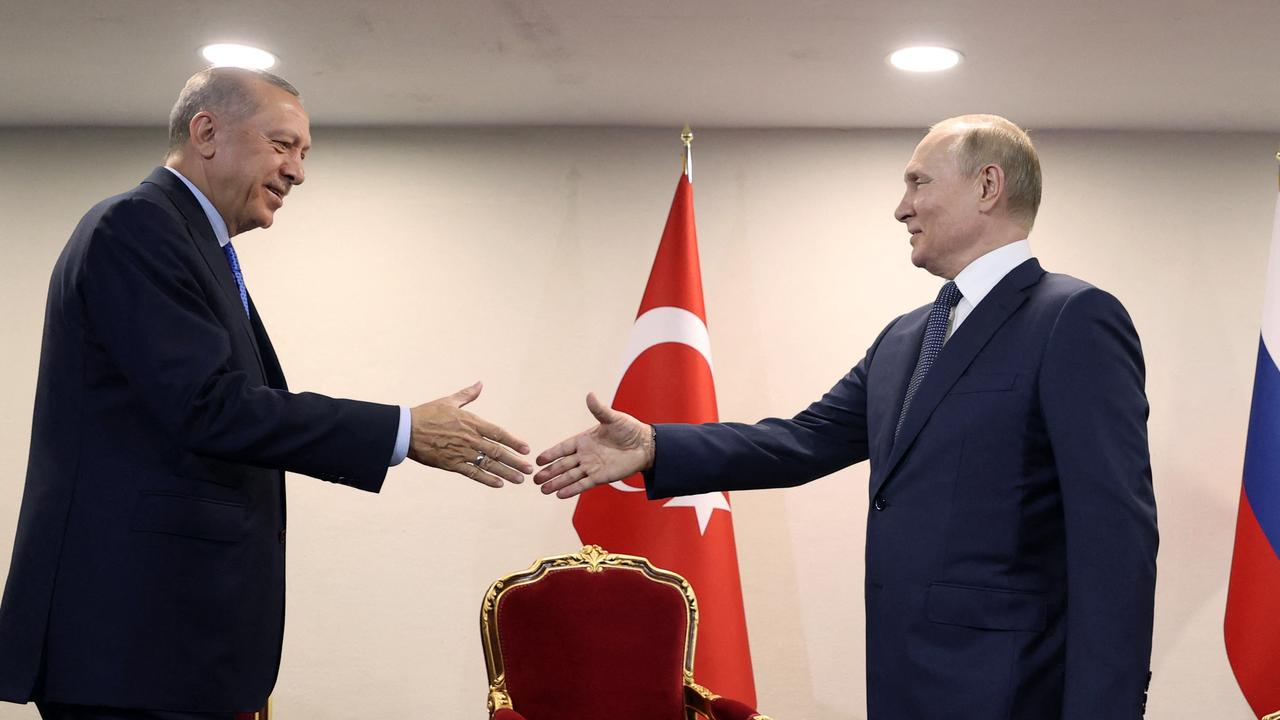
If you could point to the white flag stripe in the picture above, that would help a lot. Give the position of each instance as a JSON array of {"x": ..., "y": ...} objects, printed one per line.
[
  {"x": 1271, "y": 300},
  {"x": 664, "y": 325}
]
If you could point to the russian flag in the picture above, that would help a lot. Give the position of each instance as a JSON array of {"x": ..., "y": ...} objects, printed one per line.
[{"x": 1252, "y": 626}]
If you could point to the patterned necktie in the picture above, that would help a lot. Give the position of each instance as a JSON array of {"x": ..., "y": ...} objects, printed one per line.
[
  {"x": 935, "y": 333},
  {"x": 230, "y": 252}
]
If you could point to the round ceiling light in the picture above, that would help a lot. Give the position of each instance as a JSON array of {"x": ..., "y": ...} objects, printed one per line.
[
  {"x": 232, "y": 55},
  {"x": 925, "y": 59}
]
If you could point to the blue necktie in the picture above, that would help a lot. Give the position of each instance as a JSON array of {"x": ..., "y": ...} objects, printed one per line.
[
  {"x": 230, "y": 252},
  {"x": 935, "y": 333}
]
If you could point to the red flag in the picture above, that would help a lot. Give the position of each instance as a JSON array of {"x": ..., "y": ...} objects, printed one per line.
[{"x": 667, "y": 378}]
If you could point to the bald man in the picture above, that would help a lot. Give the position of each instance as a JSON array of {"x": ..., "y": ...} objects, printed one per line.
[{"x": 1011, "y": 535}]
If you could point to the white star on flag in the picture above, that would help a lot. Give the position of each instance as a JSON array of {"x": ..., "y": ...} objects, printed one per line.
[{"x": 704, "y": 505}]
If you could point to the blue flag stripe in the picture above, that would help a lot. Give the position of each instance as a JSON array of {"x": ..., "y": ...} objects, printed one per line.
[{"x": 1262, "y": 450}]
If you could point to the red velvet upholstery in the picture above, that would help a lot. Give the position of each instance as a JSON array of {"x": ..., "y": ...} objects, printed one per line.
[
  {"x": 505, "y": 714},
  {"x": 581, "y": 645}
]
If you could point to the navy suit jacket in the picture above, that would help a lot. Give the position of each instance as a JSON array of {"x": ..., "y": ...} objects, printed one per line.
[
  {"x": 148, "y": 567},
  {"x": 1011, "y": 535}
]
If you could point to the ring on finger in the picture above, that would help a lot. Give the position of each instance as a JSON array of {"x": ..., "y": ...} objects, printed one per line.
[{"x": 480, "y": 458}]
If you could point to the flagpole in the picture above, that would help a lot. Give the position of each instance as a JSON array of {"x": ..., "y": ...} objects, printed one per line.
[
  {"x": 1274, "y": 715},
  {"x": 687, "y": 137}
]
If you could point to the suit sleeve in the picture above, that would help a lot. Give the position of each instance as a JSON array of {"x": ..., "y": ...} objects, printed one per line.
[
  {"x": 1095, "y": 409},
  {"x": 828, "y": 435},
  {"x": 143, "y": 304}
]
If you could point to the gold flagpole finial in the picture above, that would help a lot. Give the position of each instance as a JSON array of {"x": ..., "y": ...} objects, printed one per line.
[{"x": 686, "y": 136}]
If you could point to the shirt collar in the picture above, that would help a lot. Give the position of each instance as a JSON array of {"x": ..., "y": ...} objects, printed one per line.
[
  {"x": 219, "y": 227},
  {"x": 979, "y": 276}
]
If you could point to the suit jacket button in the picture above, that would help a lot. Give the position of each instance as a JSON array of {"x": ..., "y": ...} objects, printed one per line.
[
  {"x": 880, "y": 503},
  {"x": 282, "y": 537}
]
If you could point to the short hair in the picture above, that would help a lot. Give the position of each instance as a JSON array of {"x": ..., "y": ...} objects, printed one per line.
[
  {"x": 225, "y": 90},
  {"x": 993, "y": 140}
]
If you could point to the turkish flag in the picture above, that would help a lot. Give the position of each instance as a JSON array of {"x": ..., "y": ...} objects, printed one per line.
[{"x": 667, "y": 378}]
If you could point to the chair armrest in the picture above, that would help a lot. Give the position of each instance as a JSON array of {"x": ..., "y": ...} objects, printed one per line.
[
  {"x": 507, "y": 714},
  {"x": 727, "y": 709},
  {"x": 713, "y": 707}
]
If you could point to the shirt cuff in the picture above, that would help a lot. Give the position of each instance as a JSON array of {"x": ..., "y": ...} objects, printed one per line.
[{"x": 402, "y": 437}]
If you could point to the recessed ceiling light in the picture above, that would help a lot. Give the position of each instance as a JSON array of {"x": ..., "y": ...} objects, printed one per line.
[
  {"x": 925, "y": 59},
  {"x": 232, "y": 55}
]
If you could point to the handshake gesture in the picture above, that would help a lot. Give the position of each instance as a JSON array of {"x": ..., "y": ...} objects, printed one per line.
[{"x": 446, "y": 436}]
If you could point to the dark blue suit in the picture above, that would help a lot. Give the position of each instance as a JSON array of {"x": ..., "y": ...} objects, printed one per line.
[
  {"x": 1011, "y": 540},
  {"x": 148, "y": 568}
]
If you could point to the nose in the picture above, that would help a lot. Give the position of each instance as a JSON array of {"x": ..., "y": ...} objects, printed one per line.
[
  {"x": 904, "y": 211},
  {"x": 293, "y": 172}
]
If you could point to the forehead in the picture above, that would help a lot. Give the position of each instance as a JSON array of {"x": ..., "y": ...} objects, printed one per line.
[{"x": 932, "y": 155}]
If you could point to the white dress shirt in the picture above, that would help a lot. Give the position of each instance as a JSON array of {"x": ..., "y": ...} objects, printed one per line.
[
  {"x": 220, "y": 231},
  {"x": 979, "y": 276}
]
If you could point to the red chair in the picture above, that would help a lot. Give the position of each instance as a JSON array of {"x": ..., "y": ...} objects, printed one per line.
[{"x": 596, "y": 636}]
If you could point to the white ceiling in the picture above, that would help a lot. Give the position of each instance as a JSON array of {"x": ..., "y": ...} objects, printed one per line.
[{"x": 1134, "y": 64}]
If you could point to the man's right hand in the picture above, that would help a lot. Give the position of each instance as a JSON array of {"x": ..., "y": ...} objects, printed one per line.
[
  {"x": 445, "y": 436},
  {"x": 620, "y": 446}
]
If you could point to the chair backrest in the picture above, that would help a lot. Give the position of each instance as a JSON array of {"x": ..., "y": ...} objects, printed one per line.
[{"x": 590, "y": 636}]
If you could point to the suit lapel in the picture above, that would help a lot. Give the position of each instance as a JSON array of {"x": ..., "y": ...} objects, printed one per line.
[
  {"x": 274, "y": 374},
  {"x": 894, "y": 362},
  {"x": 1005, "y": 298},
  {"x": 207, "y": 243}
]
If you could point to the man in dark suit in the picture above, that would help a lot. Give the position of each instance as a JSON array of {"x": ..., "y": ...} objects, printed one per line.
[
  {"x": 1011, "y": 538},
  {"x": 148, "y": 570}
]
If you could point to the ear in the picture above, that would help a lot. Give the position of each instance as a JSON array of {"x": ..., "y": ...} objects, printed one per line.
[
  {"x": 203, "y": 129},
  {"x": 990, "y": 186}
]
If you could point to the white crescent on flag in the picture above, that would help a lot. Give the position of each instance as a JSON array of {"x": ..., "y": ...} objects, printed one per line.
[
  {"x": 666, "y": 325},
  {"x": 673, "y": 325},
  {"x": 663, "y": 325}
]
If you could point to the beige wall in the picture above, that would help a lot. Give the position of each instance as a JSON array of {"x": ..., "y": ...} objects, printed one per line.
[{"x": 416, "y": 261}]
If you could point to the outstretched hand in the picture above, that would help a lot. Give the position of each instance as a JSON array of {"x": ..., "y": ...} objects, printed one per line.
[
  {"x": 618, "y": 447},
  {"x": 445, "y": 436}
]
